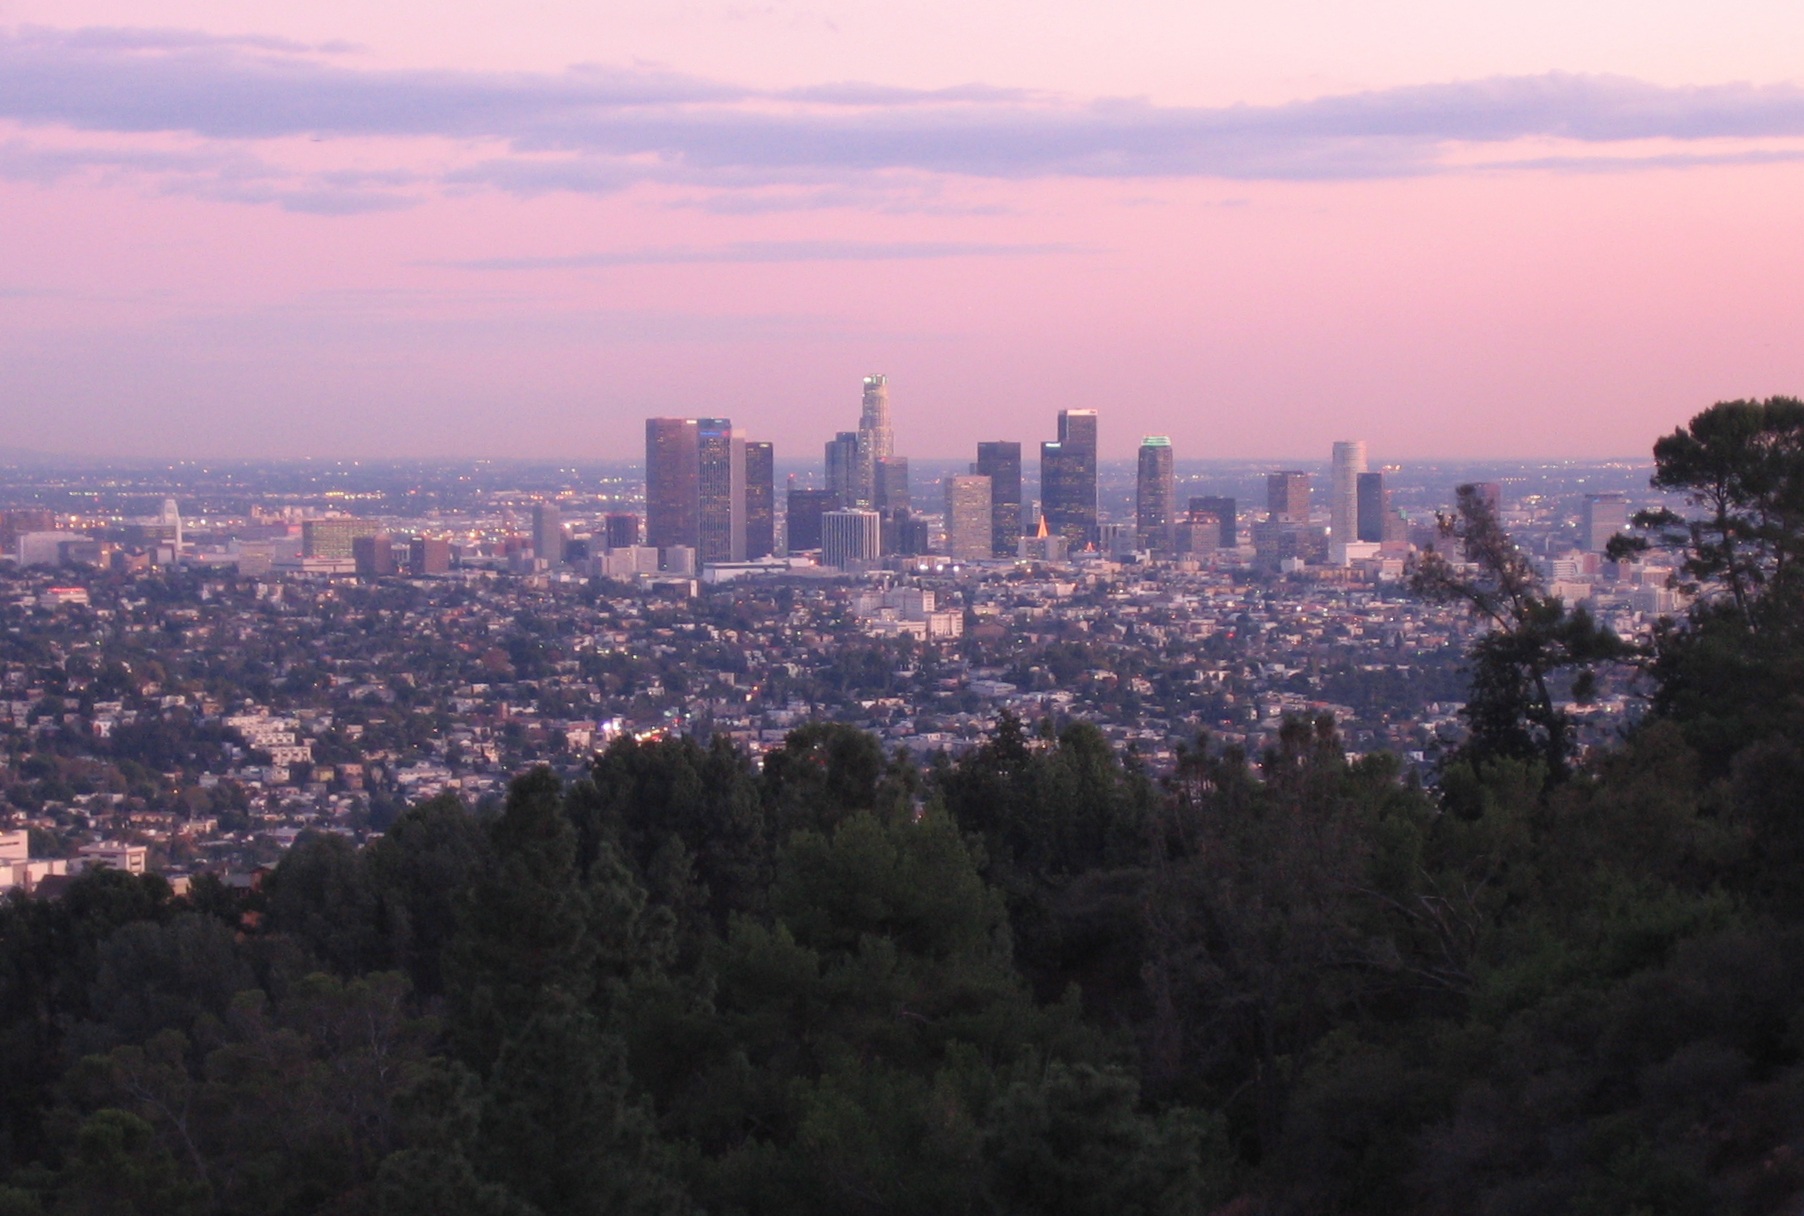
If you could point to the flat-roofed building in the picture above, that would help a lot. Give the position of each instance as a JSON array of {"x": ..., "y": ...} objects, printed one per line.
[
  {"x": 851, "y": 539},
  {"x": 969, "y": 536}
]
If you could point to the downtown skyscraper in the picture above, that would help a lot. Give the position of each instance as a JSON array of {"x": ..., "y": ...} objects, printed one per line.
[
  {"x": 842, "y": 467},
  {"x": 707, "y": 489},
  {"x": 876, "y": 440},
  {"x": 1068, "y": 479},
  {"x": 547, "y": 532},
  {"x": 1287, "y": 496},
  {"x": 1000, "y": 461},
  {"x": 721, "y": 482},
  {"x": 760, "y": 499},
  {"x": 1343, "y": 502},
  {"x": 672, "y": 483},
  {"x": 1374, "y": 507},
  {"x": 1155, "y": 494}
]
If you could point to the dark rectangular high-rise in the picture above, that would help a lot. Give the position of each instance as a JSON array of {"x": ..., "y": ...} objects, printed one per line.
[
  {"x": 1000, "y": 461},
  {"x": 802, "y": 519},
  {"x": 760, "y": 500},
  {"x": 428, "y": 555},
  {"x": 842, "y": 467},
  {"x": 621, "y": 530},
  {"x": 375, "y": 555},
  {"x": 1155, "y": 494},
  {"x": 1374, "y": 505},
  {"x": 721, "y": 481},
  {"x": 673, "y": 475},
  {"x": 1223, "y": 510},
  {"x": 1068, "y": 478},
  {"x": 890, "y": 481},
  {"x": 1287, "y": 496}
]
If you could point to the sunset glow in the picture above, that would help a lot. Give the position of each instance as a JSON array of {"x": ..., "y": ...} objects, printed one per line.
[{"x": 520, "y": 230}]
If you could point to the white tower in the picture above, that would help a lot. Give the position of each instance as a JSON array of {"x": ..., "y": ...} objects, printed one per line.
[
  {"x": 875, "y": 439},
  {"x": 172, "y": 518},
  {"x": 1349, "y": 463}
]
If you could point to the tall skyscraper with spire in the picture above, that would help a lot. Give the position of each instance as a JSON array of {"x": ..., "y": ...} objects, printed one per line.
[
  {"x": 876, "y": 441},
  {"x": 1349, "y": 463}
]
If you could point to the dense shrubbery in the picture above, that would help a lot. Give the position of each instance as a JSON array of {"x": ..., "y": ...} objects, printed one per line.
[{"x": 1031, "y": 981}]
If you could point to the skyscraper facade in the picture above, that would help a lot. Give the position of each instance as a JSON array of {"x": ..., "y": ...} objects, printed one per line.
[
  {"x": 547, "y": 532},
  {"x": 1155, "y": 494},
  {"x": 876, "y": 441},
  {"x": 1349, "y": 463},
  {"x": 374, "y": 555},
  {"x": 802, "y": 520},
  {"x": 1374, "y": 505},
  {"x": 334, "y": 535},
  {"x": 1068, "y": 478},
  {"x": 969, "y": 536},
  {"x": 1601, "y": 517},
  {"x": 721, "y": 482},
  {"x": 1001, "y": 463},
  {"x": 850, "y": 538},
  {"x": 621, "y": 530},
  {"x": 1287, "y": 496},
  {"x": 890, "y": 492},
  {"x": 760, "y": 499},
  {"x": 672, "y": 482},
  {"x": 842, "y": 468},
  {"x": 428, "y": 555},
  {"x": 1223, "y": 511}
]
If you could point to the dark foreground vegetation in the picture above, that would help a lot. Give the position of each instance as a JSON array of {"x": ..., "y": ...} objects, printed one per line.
[{"x": 1032, "y": 981}]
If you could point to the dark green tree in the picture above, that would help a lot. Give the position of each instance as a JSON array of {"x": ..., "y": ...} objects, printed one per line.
[
  {"x": 560, "y": 1129},
  {"x": 1074, "y": 1141},
  {"x": 1512, "y": 709},
  {"x": 422, "y": 871},
  {"x": 525, "y": 945},
  {"x": 322, "y": 894},
  {"x": 1733, "y": 672},
  {"x": 824, "y": 772},
  {"x": 119, "y": 1168}
]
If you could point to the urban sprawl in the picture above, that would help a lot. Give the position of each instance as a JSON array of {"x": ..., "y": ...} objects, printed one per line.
[{"x": 198, "y": 663}]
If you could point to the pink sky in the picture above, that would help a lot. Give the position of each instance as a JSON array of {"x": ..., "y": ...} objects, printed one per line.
[{"x": 517, "y": 230}]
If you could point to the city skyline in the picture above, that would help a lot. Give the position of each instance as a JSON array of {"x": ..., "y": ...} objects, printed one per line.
[{"x": 326, "y": 231}]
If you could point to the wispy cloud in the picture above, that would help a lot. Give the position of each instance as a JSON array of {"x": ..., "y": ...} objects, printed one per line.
[
  {"x": 771, "y": 251},
  {"x": 593, "y": 129},
  {"x": 228, "y": 173}
]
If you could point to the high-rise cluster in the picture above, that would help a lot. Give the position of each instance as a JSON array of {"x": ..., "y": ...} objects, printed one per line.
[
  {"x": 1360, "y": 515},
  {"x": 708, "y": 490}
]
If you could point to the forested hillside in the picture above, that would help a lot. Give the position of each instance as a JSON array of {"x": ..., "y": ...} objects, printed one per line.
[{"x": 1034, "y": 980}]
